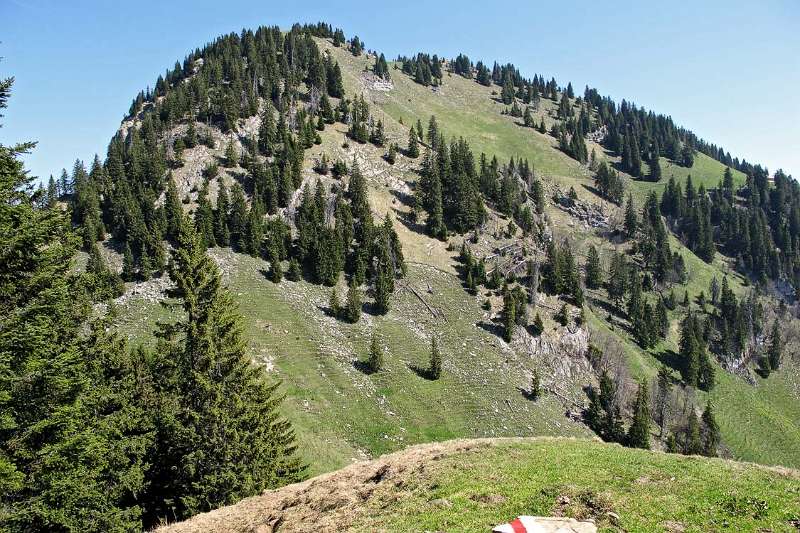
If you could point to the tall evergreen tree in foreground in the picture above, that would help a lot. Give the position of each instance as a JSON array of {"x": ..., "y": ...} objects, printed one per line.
[
  {"x": 219, "y": 437},
  {"x": 67, "y": 459}
]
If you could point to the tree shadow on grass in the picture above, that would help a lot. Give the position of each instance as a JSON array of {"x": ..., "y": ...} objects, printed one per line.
[
  {"x": 424, "y": 373},
  {"x": 491, "y": 327},
  {"x": 605, "y": 305},
  {"x": 527, "y": 394},
  {"x": 406, "y": 220},
  {"x": 671, "y": 359},
  {"x": 405, "y": 199},
  {"x": 363, "y": 367},
  {"x": 592, "y": 189}
]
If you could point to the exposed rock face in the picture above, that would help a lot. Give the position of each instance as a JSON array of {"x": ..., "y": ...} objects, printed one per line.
[{"x": 565, "y": 353}]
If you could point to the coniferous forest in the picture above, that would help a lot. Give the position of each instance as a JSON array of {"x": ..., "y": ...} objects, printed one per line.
[{"x": 100, "y": 432}]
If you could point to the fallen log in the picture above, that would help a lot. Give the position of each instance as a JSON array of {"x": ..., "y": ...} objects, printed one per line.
[{"x": 436, "y": 313}]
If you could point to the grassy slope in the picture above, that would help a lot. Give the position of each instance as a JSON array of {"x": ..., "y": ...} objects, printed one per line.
[
  {"x": 758, "y": 423},
  {"x": 340, "y": 413},
  {"x": 649, "y": 491},
  {"x": 475, "y": 485}
]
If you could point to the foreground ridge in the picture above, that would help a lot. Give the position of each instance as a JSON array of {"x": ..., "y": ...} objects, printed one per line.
[{"x": 474, "y": 484}]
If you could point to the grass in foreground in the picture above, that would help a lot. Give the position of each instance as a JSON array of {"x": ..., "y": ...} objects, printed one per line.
[{"x": 475, "y": 490}]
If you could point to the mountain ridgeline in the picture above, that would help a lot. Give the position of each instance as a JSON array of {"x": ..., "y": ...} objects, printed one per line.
[{"x": 303, "y": 156}]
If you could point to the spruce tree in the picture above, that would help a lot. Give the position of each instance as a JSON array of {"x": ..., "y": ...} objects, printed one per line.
[
  {"x": 435, "y": 363},
  {"x": 631, "y": 219},
  {"x": 509, "y": 314},
  {"x": 538, "y": 325},
  {"x": 353, "y": 305},
  {"x": 276, "y": 271},
  {"x": 172, "y": 209},
  {"x": 661, "y": 395},
  {"x": 128, "y": 265},
  {"x": 222, "y": 233},
  {"x": 710, "y": 432},
  {"x": 219, "y": 435},
  {"x": 413, "y": 146},
  {"x": 145, "y": 265},
  {"x": 231, "y": 155},
  {"x": 237, "y": 219},
  {"x": 562, "y": 316},
  {"x": 382, "y": 290},
  {"x": 334, "y": 305},
  {"x": 375, "y": 360},
  {"x": 536, "y": 385},
  {"x": 69, "y": 456},
  {"x": 594, "y": 270},
  {"x": 692, "y": 444},
  {"x": 204, "y": 217},
  {"x": 639, "y": 431},
  {"x": 775, "y": 349},
  {"x": 295, "y": 272},
  {"x": 690, "y": 350}
]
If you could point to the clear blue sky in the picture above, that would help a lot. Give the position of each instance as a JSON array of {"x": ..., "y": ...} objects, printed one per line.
[{"x": 728, "y": 70}]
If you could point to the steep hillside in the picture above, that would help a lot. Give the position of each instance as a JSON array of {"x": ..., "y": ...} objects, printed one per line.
[
  {"x": 342, "y": 413},
  {"x": 473, "y": 485}
]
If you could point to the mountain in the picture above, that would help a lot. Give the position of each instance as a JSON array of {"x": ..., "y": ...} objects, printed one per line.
[{"x": 429, "y": 249}]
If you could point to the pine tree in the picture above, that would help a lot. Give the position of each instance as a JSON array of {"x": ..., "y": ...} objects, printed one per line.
[
  {"x": 536, "y": 385},
  {"x": 710, "y": 433},
  {"x": 219, "y": 436},
  {"x": 382, "y": 290},
  {"x": 334, "y": 305},
  {"x": 594, "y": 270},
  {"x": 294, "y": 273},
  {"x": 631, "y": 219},
  {"x": 237, "y": 218},
  {"x": 375, "y": 360},
  {"x": 509, "y": 315},
  {"x": 639, "y": 432},
  {"x": 661, "y": 398},
  {"x": 538, "y": 325},
  {"x": 413, "y": 146},
  {"x": 128, "y": 266},
  {"x": 692, "y": 445},
  {"x": 69, "y": 458},
  {"x": 353, "y": 304},
  {"x": 775, "y": 350},
  {"x": 172, "y": 209},
  {"x": 435, "y": 364},
  {"x": 222, "y": 233},
  {"x": 231, "y": 155},
  {"x": 562, "y": 316},
  {"x": 391, "y": 155}
]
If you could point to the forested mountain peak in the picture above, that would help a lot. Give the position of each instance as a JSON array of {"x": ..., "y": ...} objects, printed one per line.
[{"x": 297, "y": 253}]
